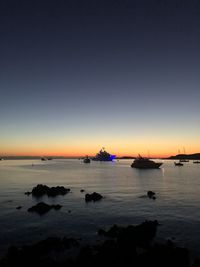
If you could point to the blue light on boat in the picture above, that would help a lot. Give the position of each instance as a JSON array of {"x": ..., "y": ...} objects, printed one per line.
[{"x": 112, "y": 157}]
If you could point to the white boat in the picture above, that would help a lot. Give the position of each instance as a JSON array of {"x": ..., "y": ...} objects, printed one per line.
[{"x": 103, "y": 155}]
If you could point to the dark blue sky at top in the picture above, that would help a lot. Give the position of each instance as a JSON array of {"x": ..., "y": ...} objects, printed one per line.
[{"x": 98, "y": 58}]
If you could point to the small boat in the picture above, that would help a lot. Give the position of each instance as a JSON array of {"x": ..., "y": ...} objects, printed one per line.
[
  {"x": 184, "y": 159},
  {"x": 145, "y": 163},
  {"x": 196, "y": 161},
  {"x": 43, "y": 159},
  {"x": 178, "y": 163},
  {"x": 86, "y": 160},
  {"x": 103, "y": 155}
]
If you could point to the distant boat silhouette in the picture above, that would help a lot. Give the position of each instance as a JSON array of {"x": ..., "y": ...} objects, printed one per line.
[
  {"x": 86, "y": 160},
  {"x": 145, "y": 163},
  {"x": 178, "y": 163},
  {"x": 184, "y": 157},
  {"x": 103, "y": 155},
  {"x": 184, "y": 160},
  {"x": 43, "y": 159}
]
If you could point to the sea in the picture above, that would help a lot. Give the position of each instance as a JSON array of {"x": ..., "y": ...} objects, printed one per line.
[{"x": 177, "y": 204}]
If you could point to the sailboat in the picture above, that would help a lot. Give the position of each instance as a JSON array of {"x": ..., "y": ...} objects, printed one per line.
[
  {"x": 184, "y": 159},
  {"x": 178, "y": 163}
]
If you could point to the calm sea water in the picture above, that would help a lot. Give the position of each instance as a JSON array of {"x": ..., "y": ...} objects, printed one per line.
[{"x": 177, "y": 206}]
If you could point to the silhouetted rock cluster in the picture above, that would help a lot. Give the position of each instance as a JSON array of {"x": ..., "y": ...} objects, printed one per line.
[
  {"x": 130, "y": 246},
  {"x": 41, "y": 190},
  {"x": 39, "y": 254},
  {"x": 93, "y": 197},
  {"x": 42, "y": 208},
  {"x": 141, "y": 234},
  {"x": 151, "y": 194}
]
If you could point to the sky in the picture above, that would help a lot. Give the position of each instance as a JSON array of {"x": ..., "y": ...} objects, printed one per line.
[{"x": 76, "y": 76}]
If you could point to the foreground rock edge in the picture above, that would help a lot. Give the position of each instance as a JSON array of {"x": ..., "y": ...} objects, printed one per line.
[{"x": 124, "y": 246}]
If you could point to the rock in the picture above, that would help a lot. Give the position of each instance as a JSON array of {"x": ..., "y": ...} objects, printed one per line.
[
  {"x": 18, "y": 208},
  {"x": 125, "y": 247},
  {"x": 151, "y": 194},
  {"x": 93, "y": 197},
  {"x": 41, "y": 190},
  {"x": 42, "y": 208},
  {"x": 82, "y": 190},
  {"x": 56, "y": 207},
  {"x": 58, "y": 190},
  {"x": 141, "y": 234},
  {"x": 40, "y": 254},
  {"x": 27, "y": 193},
  {"x": 196, "y": 263}
]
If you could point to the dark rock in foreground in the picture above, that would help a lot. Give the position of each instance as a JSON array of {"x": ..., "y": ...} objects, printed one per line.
[
  {"x": 130, "y": 246},
  {"x": 41, "y": 190},
  {"x": 42, "y": 208},
  {"x": 93, "y": 197},
  {"x": 132, "y": 235},
  {"x": 39, "y": 254}
]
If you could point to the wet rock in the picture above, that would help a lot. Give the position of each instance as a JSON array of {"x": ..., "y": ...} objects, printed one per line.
[
  {"x": 141, "y": 234},
  {"x": 165, "y": 255},
  {"x": 27, "y": 193},
  {"x": 93, "y": 197},
  {"x": 18, "y": 208},
  {"x": 124, "y": 248},
  {"x": 151, "y": 195},
  {"x": 42, "y": 208},
  {"x": 82, "y": 190},
  {"x": 196, "y": 263},
  {"x": 40, "y": 254},
  {"x": 41, "y": 190}
]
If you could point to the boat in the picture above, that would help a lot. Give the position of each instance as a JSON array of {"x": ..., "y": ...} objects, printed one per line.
[
  {"x": 103, "y": 155},
  {"x": 43, "y": 159},
  {"x": 145, "y": 163},
  {"x": 184, "y": 160},
  {"x": 184, "y": 157},
  {"x": 86, "y": 160},
  {"x": 178, "y": 163},
  {"x": 196, "y": 161}
]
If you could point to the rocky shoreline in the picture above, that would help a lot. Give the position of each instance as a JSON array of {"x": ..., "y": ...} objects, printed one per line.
[
  {"x": 121, "y": 246},
  {"x": 118, "y": 246}
]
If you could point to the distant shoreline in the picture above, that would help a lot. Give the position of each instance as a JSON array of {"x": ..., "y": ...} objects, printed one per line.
[
  {"x": 194, "y": 156},
  {"x": 186, "y": 156}
]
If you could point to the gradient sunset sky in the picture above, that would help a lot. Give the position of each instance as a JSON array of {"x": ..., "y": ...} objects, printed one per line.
[{"x": 76, "y": 76}]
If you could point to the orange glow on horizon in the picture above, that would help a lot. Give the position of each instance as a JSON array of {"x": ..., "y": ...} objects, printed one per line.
[
  {"x": 91, "y": 153},
  {"x": 79, "y": 147}
]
